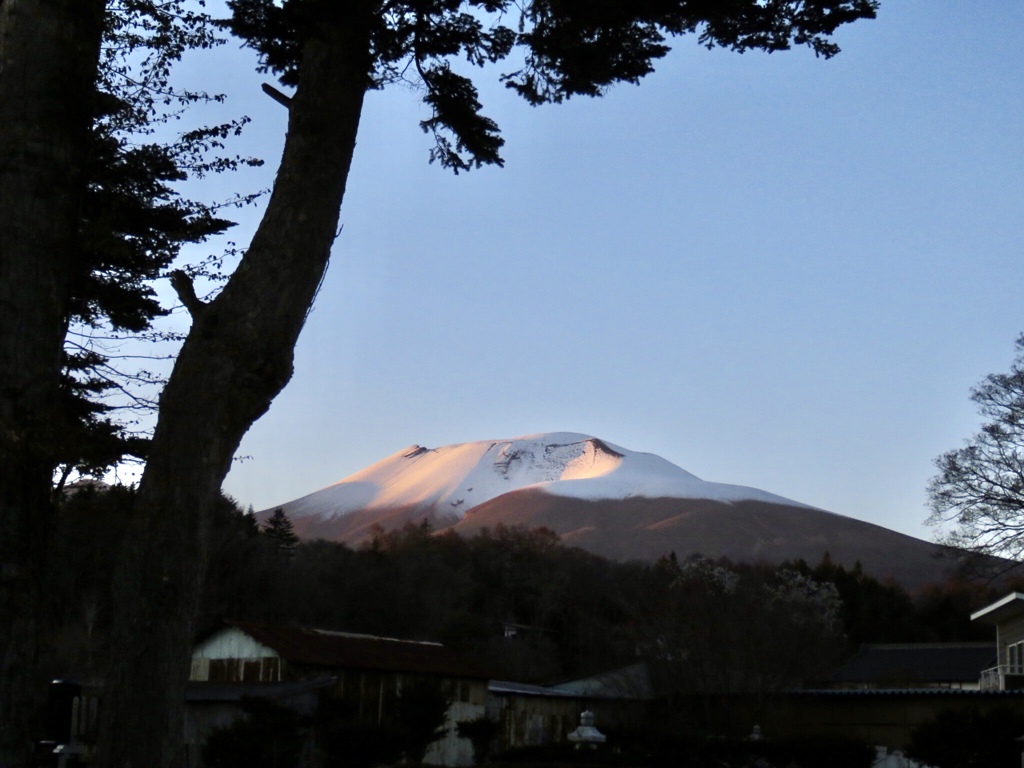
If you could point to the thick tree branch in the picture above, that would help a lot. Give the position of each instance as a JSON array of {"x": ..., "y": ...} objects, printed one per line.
[
  {"x": 186, "y": 291},
  {"x": 276, "y": 95}
]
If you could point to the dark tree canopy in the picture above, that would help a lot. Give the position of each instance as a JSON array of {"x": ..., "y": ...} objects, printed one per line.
[
  {"x": 699, "y": 635},
  {"x": 567, "y": 47},
  {"x": 979, "y": 490},
  {"x": 278, "y": 529},
  {"x": 133, "y": 224},
  {"x": 90, "y": 218}
]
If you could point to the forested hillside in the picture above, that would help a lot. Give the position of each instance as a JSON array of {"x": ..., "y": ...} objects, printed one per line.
[{"x": 571, "y": 612}]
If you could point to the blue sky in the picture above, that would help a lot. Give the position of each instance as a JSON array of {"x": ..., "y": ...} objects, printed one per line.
[{"x": 776, "y": 271}]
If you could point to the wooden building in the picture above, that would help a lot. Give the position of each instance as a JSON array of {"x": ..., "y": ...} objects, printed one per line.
[{"x": 367, "y": 674}]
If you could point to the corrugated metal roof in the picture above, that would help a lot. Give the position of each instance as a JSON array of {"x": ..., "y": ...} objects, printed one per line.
[
  {"x": 342, "y": 650},
  {"x": 921, "y": 663}
]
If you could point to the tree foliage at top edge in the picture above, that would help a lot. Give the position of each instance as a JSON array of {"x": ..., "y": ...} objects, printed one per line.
[{"x": 568, "y": 47}]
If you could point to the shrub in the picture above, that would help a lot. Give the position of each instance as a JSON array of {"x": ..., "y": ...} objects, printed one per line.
[
  {"x": 481, "y": 733},
  {"x": 269, "y": 736},
  {"x": 971, "y": 738}
]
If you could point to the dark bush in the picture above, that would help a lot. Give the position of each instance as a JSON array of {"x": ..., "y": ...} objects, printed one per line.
[
  {"x": 972, "y": 738},
  {"x": 269, "y": 736},
  {"x": 359, "y": 745},
  {"x": 823, "y": 752},
  {"x": 481, "y": 734},
  {"x": 421, "y": 710}
]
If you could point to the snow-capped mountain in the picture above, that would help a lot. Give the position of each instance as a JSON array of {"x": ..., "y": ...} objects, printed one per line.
[
  {"x": 456, "y": 478},
  {"x": 601, "y": 497}
]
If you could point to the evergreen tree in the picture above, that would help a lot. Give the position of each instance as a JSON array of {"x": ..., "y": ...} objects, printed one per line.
[
  {"x": 90, "y": 218},
  {"x": 133, "y": 225},
  {"x": 278, "y": 529},
  {"x": 48, "y": 61}
]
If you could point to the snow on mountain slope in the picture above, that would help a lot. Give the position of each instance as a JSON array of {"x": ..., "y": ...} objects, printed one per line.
[{"x": 455, "y": 478}]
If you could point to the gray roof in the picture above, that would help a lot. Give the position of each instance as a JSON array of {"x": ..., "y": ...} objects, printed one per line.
[
  {"x": 526, "y": 689},
  {"x": 630, "y": 682},
  {"x": 907, "y": 664}
]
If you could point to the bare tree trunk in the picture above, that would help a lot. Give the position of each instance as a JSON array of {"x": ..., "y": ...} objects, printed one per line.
[
  {"x": 49, "y": 51},
  {"x": 237, "y": 357}
]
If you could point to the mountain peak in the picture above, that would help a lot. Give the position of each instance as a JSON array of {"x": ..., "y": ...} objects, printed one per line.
[
  {"x": 452, "y": 479},
  {"x": 600, "y": 497}
]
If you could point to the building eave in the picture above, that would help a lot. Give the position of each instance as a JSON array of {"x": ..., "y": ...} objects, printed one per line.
[{"x": 1002, "y": 609}]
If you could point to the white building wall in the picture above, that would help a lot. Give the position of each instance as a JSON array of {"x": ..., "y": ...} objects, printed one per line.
[
  {"x": 232, "y": 643},
  {"x": 236, "y": 656}
]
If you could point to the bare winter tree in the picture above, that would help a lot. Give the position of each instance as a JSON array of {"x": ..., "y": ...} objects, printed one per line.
[{"x": 977, "y": 499}]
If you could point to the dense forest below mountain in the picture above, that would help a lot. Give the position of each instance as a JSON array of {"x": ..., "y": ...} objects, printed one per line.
[{"x": 571, "y": 612}]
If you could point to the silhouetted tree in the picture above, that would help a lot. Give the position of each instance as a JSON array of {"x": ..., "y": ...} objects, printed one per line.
[
  {"x": 871, "y": 611},
  {"x": 48, "y": 59},
  {"x": 242, "y": 579},
  {"x": 89, "y": 218},
  {"x": 980, "y": 488},
  {"x": 91, "y": 522},
  {"x": 278, "y": 530},
  {"x": 716, "y": 632}
]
